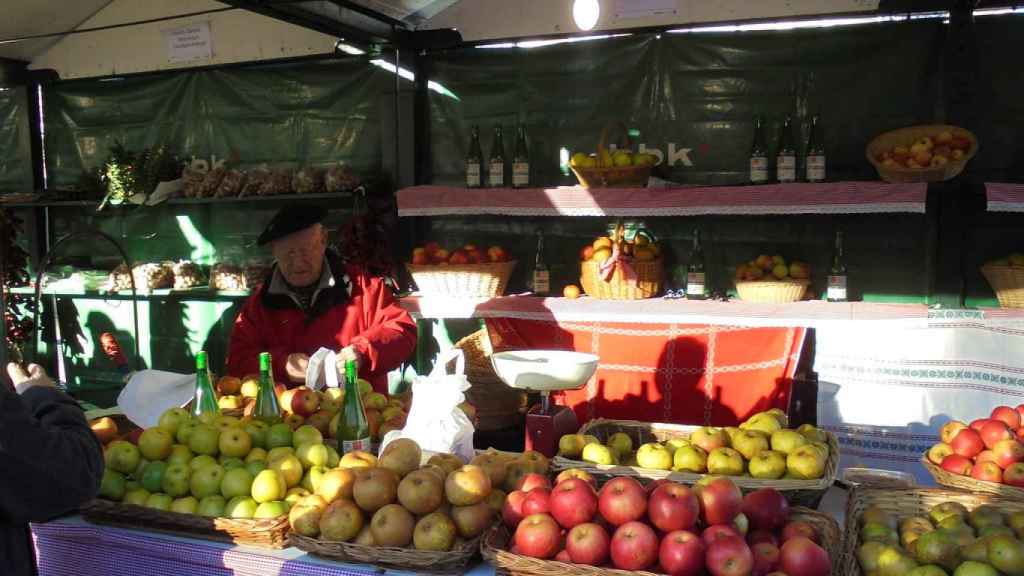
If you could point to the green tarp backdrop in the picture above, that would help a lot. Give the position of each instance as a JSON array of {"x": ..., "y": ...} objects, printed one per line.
[{"x": 15, "y": 157}]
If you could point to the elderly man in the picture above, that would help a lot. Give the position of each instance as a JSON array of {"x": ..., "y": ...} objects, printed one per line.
[{"x": 311, "y": 300}]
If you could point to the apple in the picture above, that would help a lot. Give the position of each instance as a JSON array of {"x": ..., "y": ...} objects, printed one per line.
[
  {"x": 473, "y": 520},
  {"x": 112, "y": 486},
  {"x": 977, "y": 424},
  {"x": 269, "y": 485},
  {"x": 634, "y": 546},
  {"x": 392, "y": 525},
  {"x": 673, "y": 507},
  {"x": 375, "y": 488},
  {"x": 938, "y": 452},
  {"x": 957, "y": 464},
  {"x": 341, "y": 521},
  {"x": 135, "y": 496},
  {"x": 159, "y": 501},
  {"x": 802, "y": 557},
  {"x": 571, "y": 446},
  {"x": 993, "y": 431},
  {"x": 312, "y": 455},
  {"x": 749, "y": 443},
  {"x": 708, "y": 438},
  {"x": 176, "y": 480},
  {"x": 538, "y": 536},
  {"x": 321, "y": 420},
  {"x": 533, "y": 480},
  {"x": 497, "y": 254},
  {"x": 467, "y": 485},
  {"x": 571, "y": 502},
  {"x": 155, "y": 444},
  {"x": 421, "y": 492},
  {"x": 599, "y": 454},
  {"x": 588, "y": 543},
  {"x": 180, "y": 454},
  {"x": 290, "y": 468},
  {"x": 575, "y": 473},
  {"x": 807, "y": 462},
  {"x": 1007, "y": 415},
  {"x": 204, "y": 439},
  {"x": 449, "y": 462},
  {"x": 968, "y": 443},
  {"x": 1013, "y": 475},
  {"x": 655, "y": 456},
  {"x": 720, "y": 500},
  {"x": 987, "y": 471},
  {"x": 726, "y": 462},
  {"x": 206, "y": 481},
  {"x": 798, "y": 529},
  {"x": 512, "y": 510},
  {"x": 305, "y": 402},
  {"x": 759, "y": 536},
  {"x": 729, "y": 556},
  {"x": 357, "y": 459},
  {"x": 122, "y": 456},
  {"x": 1006, "y": 554},
  {"x": 766, "y": 558},
  {"x": 496, "y": 500},
  {"x": 622, "y": 500},
  {"x": 768, "y": 464},
  {"x": 435, "y": 532},
  {"x": 690, "y": 459},
  {"x": 201, "y": 461},
  {"x": 186, "y": 505},
  {"x": 621, "y": 442},
  {"x": 211, "y": 507},
  {"x": 401, "y": 456},
  {"x": 766, "y": 509},
  {"x": 1007, "y": 452},
  {"x": 681, "y": 554},
  {"x": 294, "y": 421},
  {"x": 236, "y": 482},
  {"x": 537, "y": 502},
  {"x": 241, "y": 507},
  {"x": 278, "y": 435},
  {"x": 306, "y": 434},
  {"x": 172, "y": 418}
]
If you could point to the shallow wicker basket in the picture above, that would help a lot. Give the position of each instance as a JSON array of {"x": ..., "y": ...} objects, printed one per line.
[
  {"x": 903, "y": 503},
  {"x": 497, "y": 404},
  {"x": 902, "y": 137},
  {"x": 649, "y": 278},
  {"x": 453, "y": 561},
  {"x": 772, "y": 291},
  {"x": 495, "y": 545},
  {"x": 1008, "y": 284},
  {"x": 462, "y": 280},
  {"x": 797, "y": 492},
  {"x": 613, "y": 176},
  {"x": 268, "y": 533},
  {"x": 960, "y": 482}
]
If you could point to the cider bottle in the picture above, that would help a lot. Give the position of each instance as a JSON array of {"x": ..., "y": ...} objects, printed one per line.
[
  {"x": 353, "y": 429},
  {"x": 758, "y": 155},
  {"x": 267, "y": 407},
  {"x": 475, "y": 161},
  {"x": 696, "y": 279},
  {"x": 836, "y": 291},
  {"x": 496, "y": 163},
  {"x": 785, "y": 160},
  {"x": 205, "y": 398}
]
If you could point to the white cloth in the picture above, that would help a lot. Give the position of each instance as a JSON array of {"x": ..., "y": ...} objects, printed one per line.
[{"x": 149, "y": 393}]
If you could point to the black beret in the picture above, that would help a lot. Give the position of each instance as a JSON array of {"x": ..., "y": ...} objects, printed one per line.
[{"x": 290, "y": 219}]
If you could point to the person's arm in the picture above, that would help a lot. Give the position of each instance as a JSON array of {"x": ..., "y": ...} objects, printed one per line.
[
  {"x": 50, "y": 460},
  {"x": 391, "y": 337}
]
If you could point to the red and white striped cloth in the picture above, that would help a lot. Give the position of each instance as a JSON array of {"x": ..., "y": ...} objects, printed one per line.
[
  {"x": 1003, "y": 197},
  {"x": 818, "y": 198}
]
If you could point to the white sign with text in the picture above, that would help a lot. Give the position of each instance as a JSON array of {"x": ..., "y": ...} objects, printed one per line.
[{"x": 192, "y": 42}]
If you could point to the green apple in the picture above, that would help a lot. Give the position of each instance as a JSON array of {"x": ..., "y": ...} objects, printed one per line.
[
  {"x": 202, "y": 461},
  {"x": 655, "y": 456},
  {"x": 332, "y": 457},
  {"x": 590, "y": 439},
  {"x": 175, "y": 480},
  {"x": 185, "y": 505},
  {"x": 1015, "y": 520},
  {"x": 257, "y": 430},
  {"x": 909, "y": 538},
  {"x": 806, "y": 463},
  {"x": 290, "y": 467},
  {"x": 273, "y": 509},
  {"x": 153, "y": 476},
  {"x": 184, "y": 432},
  {"x": 256, "y": 454},
  {"x": 621, "y": 443},
  {"x": 122, "y": 456},
  {"x": 874, "y": 532},
  {"x": 234, "y": 442},
  {"x": 279, "y": 452},
  {"x": 867, "y": 556},
  {"x": 731, "y": 432},
  {"x": 232, "y": 462},
  {"x": 112, "y": 486},
  {"x": 159, "y": 501},
  {"x": 131, "y": 485},
  {"x": 211, "y": 506},
  {"x": 312, "y": 454},
  {"x": 764, "y": 422},
  {"x": 812, "y": 433},
  {"x": 971, "y": 568},
  {"x": 690, "y": 459},
  {"x": 295, "y": 495},
  {"x": 269, "y": 485},
  {"x": 725, "y": 462},
  {"x": 180, "y": 454},
  {"x": 306, "y": 434},
  {"x": 930, "y": 570},
  {"x": 571, "y": 446},
  {"x": 598, "y": 454},
  {"x": 208, "y": 418},
  {"x": 995, "y": 530},
  {"x": 768, "y": 464},
  {"x": 893, "y": 562},
  {"x": 172, "y": 419},
  {"x": 204, "y": 440},
  {"x": 749, "y": 443},
  {"x": 137, "y": 473},
  {"x": 136, "y": 497},
  {"x": 206, "y": 481},
  {"x": 223, "y": 422},
  {"x": 155, "y": 443},
  {"x": 940, "y": 512},
  {"x": 240, "y": 507},
  {"x": 985, "y": 515},
  {"x": 255, "y": 467},
  {"x": 954, "y": 523},
  {"x": 311, "y": 480},
  {"x": 236, "y": 482},
  {"x": 364, "y": 386},
  {"x": 674, "y": 444},
  {"x": 937, "y": 547},
  {"x": 279, "y": 435},
  {"x": 787, "y": 441}
]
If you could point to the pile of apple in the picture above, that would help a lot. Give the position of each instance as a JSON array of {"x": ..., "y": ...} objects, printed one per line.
[
  {"x": 221, "y": 466},
  {"x": 433, "y": 253},
  {"x": 608, "y": 159},
  {"x": 949, "y": 539},
  {"x": 641, "y": 248},
  {"x": 396, "y": 502},
  {"x": 668, "y": 527},
  {"x": 988, "y": 449},
  {"x": 761, "y": 447},
  {"x": 766, "y": 267},
  {"x": 928, "y": 151}
]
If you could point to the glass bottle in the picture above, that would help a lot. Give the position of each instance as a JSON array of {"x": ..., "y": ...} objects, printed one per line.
[
  {"x": 696, "y": 279},
  {"x": 541, "y": 274},
  {"x": 205, "y": 398},
  {"x": 785, "y": 158},
  {"x": 267, "y": 407},
  {"x": 521, "y": 161},
  {"x": 758, "y": 155},
  {"x": 815, "y": 160},
  {"x": 496, "y": 163},
  {"x": 836, "y": 291},
  {"x": 475, "y": 161},
  {"x": 353, "y": 431}
]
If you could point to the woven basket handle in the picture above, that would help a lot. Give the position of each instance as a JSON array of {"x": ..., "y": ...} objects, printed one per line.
[{"x": 603, "y": 143}]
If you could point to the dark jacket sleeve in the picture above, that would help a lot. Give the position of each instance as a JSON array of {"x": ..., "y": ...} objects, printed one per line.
[{"x": 50, "y": 460}]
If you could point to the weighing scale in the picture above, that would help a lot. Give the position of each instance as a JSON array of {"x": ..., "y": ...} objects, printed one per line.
[{"x": 546, "y": 371}]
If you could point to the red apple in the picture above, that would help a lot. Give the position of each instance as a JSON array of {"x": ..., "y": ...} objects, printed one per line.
[
  {"x": 1008, "y": 415},
  {"x": 720, "y": 500},
  {"x": 650, "y": 488},
  {"x": 766, "y": 509},
  {"x": 622, "y": 500},
  {"x": 987, "y": 471},
  {"x": 588, "y": 543},
  {"x": 729, "y": 557},
  {"x": 797, "y": 529},
  {"x": 441, "y": 256},
  {"x": 1014, "y": 475},
  {"x": 419, "y": 257},
  {"x": 562, "y": 556},
  {"x": 681, "y": 554},
  {"x": 977, "y": 424},
  {"x": 431, "y": 248},
  {"x": 992, "y": 432},
  {"x": 458, "y": 256},
  {"x": 634, "y": 545},
  {"x": 949, "y": 430},
  {"x": 1019, "y": 433},
  {"x": 968, "y": 443},
  {"x": 538, "y": 536},
  {"x": 673, "y": 507},
  {"x": 1020, "y": 410},
  {"x": 497, "y": 254},
  {"x": 537, "y": 502},
  {"x": 718, "y": 531},
  {"x": 573, "y": 502},
  {"x": 983, "y": 456},
  {"x": 957, "y": 464},
  {"x": 766, "y": 558},
  {"x": 1008, "y": 452},
  {"x": 305, "y": 402},
  {"x": 802, "y": 557},
  {"x": 512, "y": 510},
  {"x": 533, "y": 480},
  {"x": 759, "y": 536}
]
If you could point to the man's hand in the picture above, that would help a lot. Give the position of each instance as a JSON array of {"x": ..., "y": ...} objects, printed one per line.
[
  {"x": 296, "y": 367},
  {"x": 24, "y": 379},
  {"x": 344, "y": 355}
]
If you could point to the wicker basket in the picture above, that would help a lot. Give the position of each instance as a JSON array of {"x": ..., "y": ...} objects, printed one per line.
[
  {"x": 966, "y": 483},
  {"x": 798, "y": 492},
  {"x": 495, "y": 545},
  {"x": 649, "y": 279},
  {"x": 903, "y": 503},
  {"x": 901, "y": 137},
  {"x": 268, "y": 533},
  {"x": 453, "y": 561},
  {"x": 497, "y": 404},
  {"x": 1008, "y": 284},
  {"x": 772, "y": 291},
  {"x": 613, "y": 176},
  {"x": 462, "y": 280}
]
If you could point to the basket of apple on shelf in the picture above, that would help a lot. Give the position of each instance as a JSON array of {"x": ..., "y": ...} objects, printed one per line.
[
  {"x": 771, "y": 280},
  {"x": 575, "y": 529},
  {"x": 1006, "y": 276},
  {"x": 614, "y": 268},
  {"x": 930, "y": 153},
  {"x": 609, "y": 168},
  {"x": 467, "y": 272}
]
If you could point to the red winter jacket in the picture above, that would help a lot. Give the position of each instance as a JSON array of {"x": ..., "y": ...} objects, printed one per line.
[{"x": 369, "y": 319}]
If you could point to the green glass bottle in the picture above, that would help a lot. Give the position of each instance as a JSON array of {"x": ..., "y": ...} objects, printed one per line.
[
  {"x": 353, "y": 429},
  {"x": 205, "y": 398},
  {"x": 267, "y": 407}
]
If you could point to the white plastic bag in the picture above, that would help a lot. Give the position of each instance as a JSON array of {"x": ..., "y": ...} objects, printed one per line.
[
  {"x": 435, "y": 420},
  {"x": 322, "y": 370}
]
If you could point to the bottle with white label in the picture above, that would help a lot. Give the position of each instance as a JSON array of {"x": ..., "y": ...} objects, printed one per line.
[
  {"x": 475, "y": 161},
  {"x": 696, "y": 278},
  {"x": 521, "y": 161},
  {"x": 836, "y": 291},
  {"x": 541, "y": 280},
  {"x": 815, "y": 159},
  {"x": 496, "y": 163},
  {"x": 785, "y": 159},
  {"x": 758, "y": 155}
]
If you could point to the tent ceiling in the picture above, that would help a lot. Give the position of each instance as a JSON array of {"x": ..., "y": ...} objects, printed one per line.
[
  {"x": 29, "y": 17},
  {"x": 412, "y": 12}
]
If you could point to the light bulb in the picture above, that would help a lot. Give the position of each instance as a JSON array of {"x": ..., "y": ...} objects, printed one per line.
[{"x": 586, "y": 13}]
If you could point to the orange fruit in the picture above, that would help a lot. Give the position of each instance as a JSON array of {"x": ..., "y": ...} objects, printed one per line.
[
  {"x": 603, "y": 242},
  {"x": 571, "y": 291}
]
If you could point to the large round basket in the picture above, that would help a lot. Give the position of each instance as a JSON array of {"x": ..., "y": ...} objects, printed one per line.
[
  {"x": 797, "y": 492},
  {"x": 647, "y": 284},
  {"x": 904, "y": 137},
  {"x": 462, "y": 280},
  {"x": 612, "y": 176},
  {"x": 961, "y": 482},
  {"x": 1007, "y": 282},
  {"x": 497, "y": 541},
  {"x": 903, "y": 504},
  {"x": 450, "y": 562},
  {"x": 772, "y": 291}
]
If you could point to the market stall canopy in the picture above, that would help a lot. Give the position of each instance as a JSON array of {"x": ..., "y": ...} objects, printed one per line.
[{"x": 31, "y": 17}]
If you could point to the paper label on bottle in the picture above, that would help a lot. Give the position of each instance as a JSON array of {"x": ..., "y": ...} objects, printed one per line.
[
  {"x": 836, "y": 288},
  {"x": 816, "y": 168},
  {"x": 786, "y": 168},
  {"x": 521, "y": 174},
  {"x": 362, "y": 444},
  {"x": 473, "y": 174},
  {"x": 695, "y": 284},
  {"x": 758, "y": 169},
  {"x": 541, "y": 282},
  {"x": 496, "y": 175}
]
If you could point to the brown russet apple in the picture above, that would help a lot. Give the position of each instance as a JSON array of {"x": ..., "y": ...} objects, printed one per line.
[
  {"x": 392, "y": 525},
  {"x": 467, "y": 485},
  {"x": 229, "y": 385},
  {"x": 535, "y": 461},
  {"x": 435, "y": 531},
  {"x": 496, "y": 500},
  {"x": 421, "y": 492},
  {"x": 472, "y": 520},
  {"x": 375, "y": 488},
  {"x": 304, "y": 517},
  {"x": 341, "y": 521},
  {"x": 401, "y": 456},
  {"x": 448, "y": 462},
  {"x": 494, "y": 465}
]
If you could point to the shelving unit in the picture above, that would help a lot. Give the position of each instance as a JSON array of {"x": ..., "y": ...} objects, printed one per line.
[{"x": 198, "y": 294}]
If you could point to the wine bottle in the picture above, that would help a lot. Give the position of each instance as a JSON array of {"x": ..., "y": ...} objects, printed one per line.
[
  {"x": 836, "y": 291},
  {"x": 474, "y": 161},
  {"x": 815, "y": 159},
  {"x": 696, "y": 278},
  {"x": 541, "y": 274},
  {"x": 785, "y": 158},
  {"x": 353, "y": 431},
  {"x": 521, "y": 161},
  {"x": 204, "y": 400},
  {"x": 267, "y": 407},
  {"x": 758, "y": 155},
  {"x": 496, "y": 163}
]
